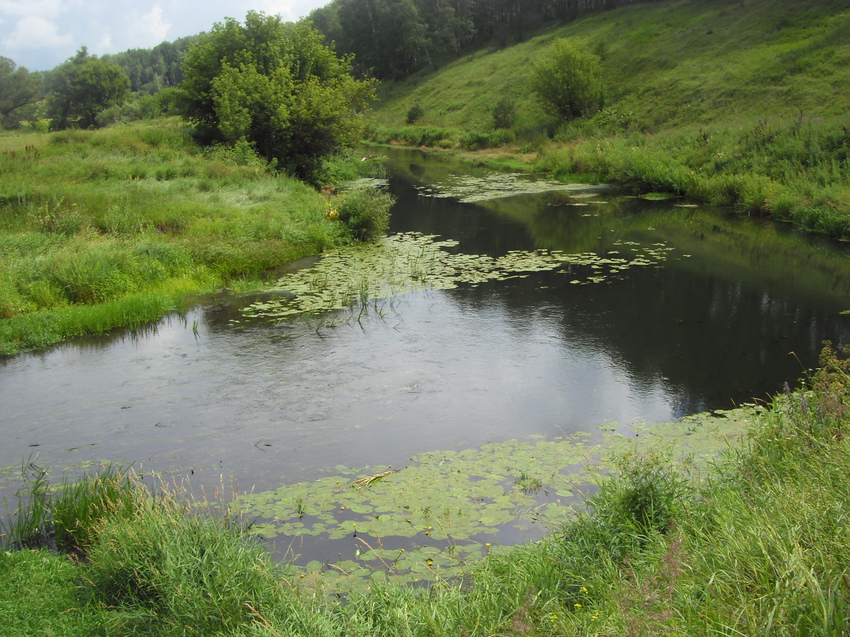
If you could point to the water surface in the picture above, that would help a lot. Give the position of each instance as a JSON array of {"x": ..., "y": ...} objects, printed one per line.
[{"x": 738, "y": 308}]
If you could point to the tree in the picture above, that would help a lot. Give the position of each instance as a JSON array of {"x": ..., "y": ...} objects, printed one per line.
[
  {"x": 19, "y": 89},
  {"x": 83, "y": 87},
  {"x": 277, "y": 86},
  {"x": 568, "y": 81}
]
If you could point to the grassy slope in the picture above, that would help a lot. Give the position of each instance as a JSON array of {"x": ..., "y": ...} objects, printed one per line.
[
  {"x": 100, "y": 229},
  {"x": 740, "y": 104},
  {"x": 669, "y": 63}
]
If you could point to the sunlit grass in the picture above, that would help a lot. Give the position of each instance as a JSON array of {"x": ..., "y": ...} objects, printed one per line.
[{"x": 92, "y": 222}]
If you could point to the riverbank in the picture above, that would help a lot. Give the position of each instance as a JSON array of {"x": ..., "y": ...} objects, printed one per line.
[
  {"x": 733, "y": 104},
  {"x": 117, "y": 227},
  {"x": 754, "y": 545}
]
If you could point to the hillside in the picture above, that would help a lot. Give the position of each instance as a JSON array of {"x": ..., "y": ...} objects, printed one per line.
[{"x": 665, "y": 64}]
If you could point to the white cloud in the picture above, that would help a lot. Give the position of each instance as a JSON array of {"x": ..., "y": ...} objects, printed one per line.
[
  {"x": 34, "y": 8},
  {"x": 41, "y": 34},
  {"x": 153, "y": 26},
  {"x": 35, "y": 32}
]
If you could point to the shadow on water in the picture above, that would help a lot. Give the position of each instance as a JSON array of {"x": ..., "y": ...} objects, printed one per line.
[{"x": 737, "y": 308}]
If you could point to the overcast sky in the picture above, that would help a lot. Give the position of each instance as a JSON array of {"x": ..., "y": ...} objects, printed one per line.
[{"x": 41, "y": 34}]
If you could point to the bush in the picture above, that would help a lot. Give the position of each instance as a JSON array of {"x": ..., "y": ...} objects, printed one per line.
[
  {"x": 568, "y": 82},
  {"x": 478, "y": 141},
  {"x": 504, "y": 114},
  {"x": 414, "y": 114},
  {"x": 365, "y": 211}
]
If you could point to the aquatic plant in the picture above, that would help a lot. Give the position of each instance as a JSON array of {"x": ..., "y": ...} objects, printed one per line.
[
  {"x": 496, "y": 185},
  {"x": 411, "y": 262}
]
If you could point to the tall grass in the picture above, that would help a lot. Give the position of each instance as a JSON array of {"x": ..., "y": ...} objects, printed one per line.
[
  {"x": 758, "y": 545},
  {"x": 125, "y": 221},
  {"x": 797, "y": 171}
]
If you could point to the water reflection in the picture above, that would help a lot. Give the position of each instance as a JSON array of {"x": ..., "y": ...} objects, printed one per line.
[{"x": 271, "y": 403}]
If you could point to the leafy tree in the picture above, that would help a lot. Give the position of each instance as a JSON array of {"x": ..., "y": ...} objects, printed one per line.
[
  {"x": 504, "y": 113},
  {"x": 83, "y": 87},
  {"x": 277, "y": 86},
  {"x": 568, "y": 81},
  {"x": 19, "y": 89}
]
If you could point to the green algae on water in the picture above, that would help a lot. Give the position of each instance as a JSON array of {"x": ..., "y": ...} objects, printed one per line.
[
  {"x": 431, "y": 519},
  {"x": 411, "y": 262},
  {"x": 496, "y": 185}
]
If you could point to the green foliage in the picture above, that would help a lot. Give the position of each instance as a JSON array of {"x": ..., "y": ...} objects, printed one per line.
[
  {"x": 416, "y": 136},
  {"x": 365, "y": 212},
  {"x": 492, "y": 139},
  {"x": 568, "y": 81},
  {"x": 504, "y": 113},
  {"x": 393, "y": 39},
  {"x": 113, "y": 227},
  {"x": 414, "y": 114},
  {"x": 278, "y": 87},
  {"x": 82, "y": 88},
  {"x": 153, "y": 70},
  {"x": 19, "y": 91},
  {"x": 795, "y": 171}
]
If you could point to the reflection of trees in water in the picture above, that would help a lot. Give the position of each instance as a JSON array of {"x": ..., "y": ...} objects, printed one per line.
[
  {"x": 716, "y": 327},
  {"x": 709, "y": 342}
]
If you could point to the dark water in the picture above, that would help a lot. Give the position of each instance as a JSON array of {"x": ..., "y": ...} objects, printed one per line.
[{"x": 268, "y": 404}]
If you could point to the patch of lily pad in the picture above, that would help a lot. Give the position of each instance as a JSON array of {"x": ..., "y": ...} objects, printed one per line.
[
  {"x": 431, "y": 519},
  {"x": 495, "y": 185},
  {"x": 408, "y": 262}
]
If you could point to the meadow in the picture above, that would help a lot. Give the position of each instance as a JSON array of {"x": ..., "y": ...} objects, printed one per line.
[{"x": 119, "y": 226}]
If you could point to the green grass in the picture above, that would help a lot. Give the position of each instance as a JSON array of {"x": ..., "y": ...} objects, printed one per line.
[
  {"x": 108, "y": 228},
  {"x": 733, "y": 103},
  {"x": 756, "y": 545}
]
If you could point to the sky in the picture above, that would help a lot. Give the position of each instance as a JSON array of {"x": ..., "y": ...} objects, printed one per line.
[{"x": 41, "y": 34}]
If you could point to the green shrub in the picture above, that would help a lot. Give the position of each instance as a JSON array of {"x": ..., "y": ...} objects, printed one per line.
[
  {"x": 504, "y": 113},
  {"x": 365, "y": 211},
  {"x": 414, "y": 114},
  {"x": 492, "y": 139},
  {"x": 568, "y": 81}
]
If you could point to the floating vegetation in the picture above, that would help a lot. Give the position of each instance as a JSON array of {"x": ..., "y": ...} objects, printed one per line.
[
  {"x": 469, "y": 189},
  {"x": 363, "y": 276},
  {"x": 430, "y": 519}
]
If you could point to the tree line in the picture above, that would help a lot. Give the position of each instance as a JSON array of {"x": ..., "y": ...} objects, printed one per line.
[
  {"x": 392, "y": 39},
  {"x": 290, "y": 91},
  {"x": 382, "y": 39}
]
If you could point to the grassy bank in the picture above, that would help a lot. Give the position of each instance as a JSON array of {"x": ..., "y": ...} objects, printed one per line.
[
  {"x": 733, "y": 103},
  {"x": 115, "y": 227},
  {"x": 756, "y": 546}
]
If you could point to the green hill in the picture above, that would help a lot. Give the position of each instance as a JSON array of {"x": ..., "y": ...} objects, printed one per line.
[
  {"x": 669, "y": 64},
  {"x": 739, "y": 103}
]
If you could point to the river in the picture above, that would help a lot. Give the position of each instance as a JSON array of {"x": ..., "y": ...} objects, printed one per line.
[{"x": 736, "y": 307}]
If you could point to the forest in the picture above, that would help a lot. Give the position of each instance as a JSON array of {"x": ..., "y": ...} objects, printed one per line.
[{"x": 388, "y": 39}]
